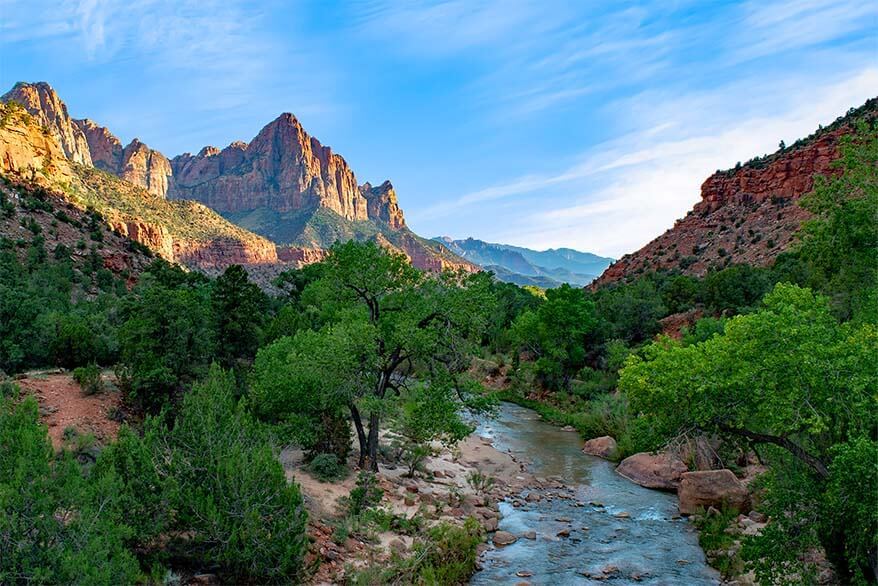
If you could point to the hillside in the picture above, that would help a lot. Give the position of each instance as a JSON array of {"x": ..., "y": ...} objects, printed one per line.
[
  {"x": 523, "y": 266},
  {"x": 180, "y": 231},
  {"x": 747, "y": 214}
]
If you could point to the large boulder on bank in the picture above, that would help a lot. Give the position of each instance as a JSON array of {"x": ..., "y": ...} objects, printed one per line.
[
  {"x": 711, "y": 488},
  {"x": 603, "y": 447},
  {"x": 661, "y": 471}
]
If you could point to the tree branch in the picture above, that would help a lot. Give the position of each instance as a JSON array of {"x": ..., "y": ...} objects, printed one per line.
[{"x": 796, "y": 450}]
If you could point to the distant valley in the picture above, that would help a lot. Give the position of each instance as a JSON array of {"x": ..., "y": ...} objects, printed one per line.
[{"x": 523, "y": 266}]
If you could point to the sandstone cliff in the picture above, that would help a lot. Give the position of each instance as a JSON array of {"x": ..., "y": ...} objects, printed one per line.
[
  {"x": 747, "y": 214},
  {"x": 284, "y": 184},
  {"x": 282, "y": 169},
  {"x": 180, "y": 231},
  {"x": 41, "y": 101}
]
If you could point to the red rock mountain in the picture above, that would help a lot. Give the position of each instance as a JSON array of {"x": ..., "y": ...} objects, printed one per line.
[
  {"x": 284, "y": 184},
  {"x": 747, "y": 214}
]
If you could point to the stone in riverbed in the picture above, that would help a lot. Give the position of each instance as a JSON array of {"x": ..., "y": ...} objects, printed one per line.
[
  {"x": 661, "y": 471},
  {"x": 529, "y": 535},
  {"x": 503, "y": 538},
  {"x": 603, "y": 447},
  {"x": 712, "y": 488}
]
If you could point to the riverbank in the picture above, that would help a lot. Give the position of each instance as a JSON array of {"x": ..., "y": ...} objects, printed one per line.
[{"x": 468, "y": 480}]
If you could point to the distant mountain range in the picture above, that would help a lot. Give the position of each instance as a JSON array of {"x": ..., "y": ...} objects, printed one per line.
[{"x": 523, "y": 266}]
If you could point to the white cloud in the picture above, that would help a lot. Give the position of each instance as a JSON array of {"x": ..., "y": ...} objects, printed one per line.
[{"x": 629, "y": 190}]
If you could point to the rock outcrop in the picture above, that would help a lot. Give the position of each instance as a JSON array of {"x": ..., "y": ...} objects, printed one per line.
[
  {"x": 603, "y": 447},
  {"x": 711, "y": 488},
  {"x": 661, "y": 471},
  {"x": 41, "y": 101},
  {"x": 382, "y": 205},
  {"x": 282, "y": 169},
  {"x": 747, "y": 214}
]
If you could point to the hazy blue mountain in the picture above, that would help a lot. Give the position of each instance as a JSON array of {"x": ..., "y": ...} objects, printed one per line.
[{"x": 523, "y": 266}]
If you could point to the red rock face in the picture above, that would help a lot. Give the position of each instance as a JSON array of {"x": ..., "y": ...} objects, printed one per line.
[
  {"x": 145, "y": 167},
  {"x": 293, "y": 254},
  {"x": 105, "y": 149},
  {"x": 41, "y": 101},
  {"x": 746, "y": 215},
  {"x": 282, "y": 169},
  {"x": 383, "y": 205}
]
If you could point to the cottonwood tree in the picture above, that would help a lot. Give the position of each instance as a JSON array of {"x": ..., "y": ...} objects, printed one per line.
[
  {"x": 385, "y": 322},
  {"x": 788, "y": 376}
]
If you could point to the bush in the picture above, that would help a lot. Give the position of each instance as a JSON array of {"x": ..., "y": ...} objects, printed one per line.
[
  {"x": 57, "y": 524},
  {"x": 233, "y": 496},
  {"x": 365, "y": 495},
  {"x": 89, "y": 379},
  {"x": 445, "y": 555},
  {"x": 327, "y": 468}
]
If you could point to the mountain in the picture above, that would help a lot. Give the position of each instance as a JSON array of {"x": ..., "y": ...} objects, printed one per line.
[
  {"x": 283, "y": 185},
  {"x": 523, "y": 266},
  {"x": 747, "y": 214}
]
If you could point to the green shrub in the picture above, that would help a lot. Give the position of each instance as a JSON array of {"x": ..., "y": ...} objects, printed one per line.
[
  {"x": 89, "y": 379},
  {"x": 327, "y": 468},
  {"x": 58, "y": 525},
  {"x": 446, "y": 554},
  {"x": 233, "y": 497},
  {"x": 365, "y": 495}
]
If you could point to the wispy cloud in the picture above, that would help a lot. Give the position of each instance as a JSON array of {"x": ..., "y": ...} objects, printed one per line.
[{"x": 626, "y": 191}]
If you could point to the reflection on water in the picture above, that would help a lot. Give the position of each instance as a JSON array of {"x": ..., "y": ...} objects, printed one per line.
[{"x": 629, "y": 535}]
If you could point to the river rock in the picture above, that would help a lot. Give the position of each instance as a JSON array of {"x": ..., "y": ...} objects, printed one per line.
[
  {"x": 603, "y": 447},
  {"x": 502, "y": 538},
  {"x": 660, "y": 471},
  {"x": 529, "y": 535},
  {"x": 708, "y": 488}
]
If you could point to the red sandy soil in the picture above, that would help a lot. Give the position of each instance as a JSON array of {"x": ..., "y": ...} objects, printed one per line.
[{"x": 63, "y": 405}]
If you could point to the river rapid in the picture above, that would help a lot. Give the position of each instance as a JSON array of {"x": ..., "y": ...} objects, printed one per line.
[{"x": 619, "y": 532}]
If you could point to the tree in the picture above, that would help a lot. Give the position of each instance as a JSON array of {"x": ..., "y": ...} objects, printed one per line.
[
  {"x": 841, "y": 242},
  {"x": 238, "y": 313},
  {"x": 165, "y": 340},
  {"x": 385, "y": 315},
  {"x": 556, "y": 334},
  {"x": 789, "y": 377}
]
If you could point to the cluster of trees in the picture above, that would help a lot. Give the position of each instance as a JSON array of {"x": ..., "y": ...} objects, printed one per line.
[{"x": 224, "y": 376}]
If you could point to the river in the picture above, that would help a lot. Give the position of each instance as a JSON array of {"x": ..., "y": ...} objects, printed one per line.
[{"x": 620, "y": 533}]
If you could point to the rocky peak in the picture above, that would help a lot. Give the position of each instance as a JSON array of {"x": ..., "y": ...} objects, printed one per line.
[
  {"x": 382, "y": 204},
  {"x": 104, "y": 147},
  {"x": 282, "y": 169},
  {"x": 41, "y": 101},
  {"x": 145, "y": 167}
]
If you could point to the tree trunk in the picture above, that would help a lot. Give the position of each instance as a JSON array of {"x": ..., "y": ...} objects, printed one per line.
[
  {"x": 361, "y": 435},
  {"x": 373, "y": 441}
]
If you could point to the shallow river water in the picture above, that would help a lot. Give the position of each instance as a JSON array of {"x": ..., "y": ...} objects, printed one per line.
[{"x": 651, "y": 546}]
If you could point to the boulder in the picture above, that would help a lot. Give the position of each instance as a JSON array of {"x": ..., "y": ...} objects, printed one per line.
[
  {"x": 661, "y": 471},
  {"x": 711, "y": 488},
  {"x": 502, "y": 538},
  {"x": 603, "y": 447}
]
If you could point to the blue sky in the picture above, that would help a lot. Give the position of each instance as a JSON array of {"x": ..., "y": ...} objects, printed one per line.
[{"x": 543, "y": 124}]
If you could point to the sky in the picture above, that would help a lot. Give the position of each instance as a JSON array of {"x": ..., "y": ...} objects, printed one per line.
[{"x": 542, "y": 123}]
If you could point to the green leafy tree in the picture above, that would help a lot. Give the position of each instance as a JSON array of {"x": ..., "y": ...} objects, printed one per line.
[
  {"x": 841, "y": 242},
  {"x": 238, "y": 309},
  {"x": 383, "y": 316},
  {"x": 788, "y": 377},
  {"x": 556, "y": 334}
]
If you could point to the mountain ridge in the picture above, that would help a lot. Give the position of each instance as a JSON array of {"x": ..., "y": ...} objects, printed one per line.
[
  {"x": 524, "y": 266},
  {"x": 282, "y": 171},
  {"x": 747, "y": 214}
]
